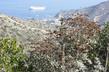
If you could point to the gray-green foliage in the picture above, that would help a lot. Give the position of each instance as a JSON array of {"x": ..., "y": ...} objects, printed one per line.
[
  {"x": 11, "y": 54},
  {"x": 103, "y": 44},
  {"x": 38, "y": 63},
  {"x": 100, "y": 49}
]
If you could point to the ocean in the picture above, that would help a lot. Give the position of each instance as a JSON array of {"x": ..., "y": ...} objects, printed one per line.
[{"x": 27, "y": 13}]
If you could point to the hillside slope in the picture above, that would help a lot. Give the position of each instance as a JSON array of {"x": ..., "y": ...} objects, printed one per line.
[
  {"x": 98, "y": 13},
  {"x": 26, "y": 31}
]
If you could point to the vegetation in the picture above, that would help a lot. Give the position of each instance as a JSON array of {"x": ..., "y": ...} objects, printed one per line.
[
  {"x": 77, "y": 45},
  {"x": 38, "y": 63},
  {"x": 11, "y": 54},
  {"x": 103, "y": 46}
]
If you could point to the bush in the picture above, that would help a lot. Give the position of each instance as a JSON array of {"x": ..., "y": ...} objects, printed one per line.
[
  {"x": 38, "y": 63},
  {"x": 71, "y": 43},
  {"x": 100, "y": 49},
  {"x": 103, "y": 45},
  {"x": 11, "y": 54}
]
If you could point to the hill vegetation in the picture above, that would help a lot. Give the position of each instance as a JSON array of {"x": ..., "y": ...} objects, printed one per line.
[{"x": 77, "y": 44}]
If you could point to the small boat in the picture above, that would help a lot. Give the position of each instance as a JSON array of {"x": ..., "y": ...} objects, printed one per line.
[{"x": 37, "y": 8}]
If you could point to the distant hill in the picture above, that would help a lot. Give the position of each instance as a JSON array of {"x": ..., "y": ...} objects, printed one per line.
[{"x": 98, "y": 13}]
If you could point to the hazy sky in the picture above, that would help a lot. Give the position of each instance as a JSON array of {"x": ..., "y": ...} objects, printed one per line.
[{"x": 52, "y": 6}]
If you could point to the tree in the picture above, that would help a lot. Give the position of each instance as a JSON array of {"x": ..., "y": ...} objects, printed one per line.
[
  {"x": 103, "y": 46},
  {"x": 67, "y": 45},
  {"x": 75, "y": 36}
]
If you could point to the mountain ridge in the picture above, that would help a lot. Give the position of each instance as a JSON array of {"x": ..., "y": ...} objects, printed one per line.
[{"x": 99, "y": 13}]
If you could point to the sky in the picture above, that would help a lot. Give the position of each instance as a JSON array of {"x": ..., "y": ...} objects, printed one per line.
[{"x": 49, "y": 6}]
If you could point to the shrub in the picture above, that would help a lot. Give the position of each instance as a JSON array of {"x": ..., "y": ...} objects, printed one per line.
[
  {"x": 38, "y": 63},
  {"x": 73, "y": 40},
  {"x": 103, "y": 46},
  {"x": 11, "y": 54}
]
